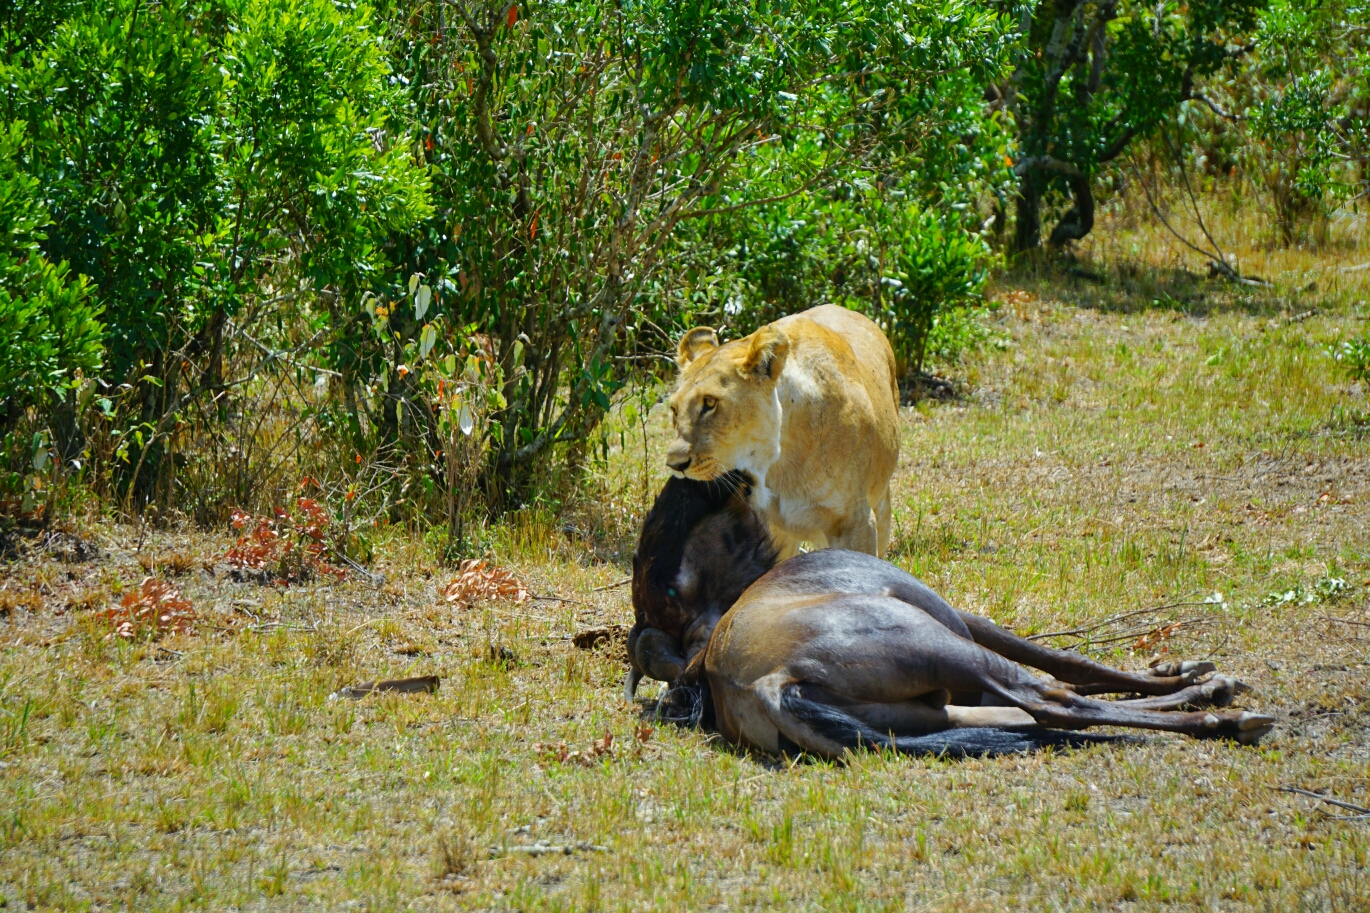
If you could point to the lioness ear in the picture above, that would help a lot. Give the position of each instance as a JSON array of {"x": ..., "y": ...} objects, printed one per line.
[
  {"x": 694, "y": 344},
  {"x": 767, "y": 354}
]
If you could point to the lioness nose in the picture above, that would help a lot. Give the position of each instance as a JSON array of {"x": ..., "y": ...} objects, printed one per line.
[{"x": 679, "y": 465}]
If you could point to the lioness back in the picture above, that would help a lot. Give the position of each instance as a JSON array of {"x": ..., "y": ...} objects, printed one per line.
[
  {"x": 808, "y": 406},
  {"x": 874, "y": 357}
]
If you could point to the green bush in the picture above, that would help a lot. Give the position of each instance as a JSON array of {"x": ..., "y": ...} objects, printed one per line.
[
  {"x": 118, "y": 103},
  {"x": 226, "y": 173},
  {"x": 594, "y": 170},
  {"x": 48, "y": 326},
  {"x": 957, "y": 331},
  {"x": 1354, "y": 355},
  {"x": 933, "y": 265}
]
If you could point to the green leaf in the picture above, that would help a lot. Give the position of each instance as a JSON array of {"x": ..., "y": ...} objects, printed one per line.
[{"x": 421, "y": 300}]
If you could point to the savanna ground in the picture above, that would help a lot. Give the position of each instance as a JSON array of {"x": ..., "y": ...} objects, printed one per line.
[{"x": 1138, "y": 440}]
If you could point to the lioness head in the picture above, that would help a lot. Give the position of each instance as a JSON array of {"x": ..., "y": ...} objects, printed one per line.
[{"x": 725, "y": 413}]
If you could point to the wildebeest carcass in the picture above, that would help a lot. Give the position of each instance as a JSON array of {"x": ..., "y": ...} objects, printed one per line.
[{"x": 836, "y": 649}]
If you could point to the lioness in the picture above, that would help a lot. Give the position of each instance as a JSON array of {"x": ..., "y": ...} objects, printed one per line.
[{"x": 807, "y": 406}]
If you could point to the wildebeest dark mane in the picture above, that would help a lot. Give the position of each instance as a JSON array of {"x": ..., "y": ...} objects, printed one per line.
[{"x": 666, "y": 532}]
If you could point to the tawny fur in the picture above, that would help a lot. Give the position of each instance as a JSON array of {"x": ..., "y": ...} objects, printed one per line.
[{"x": 809, "y": 407}]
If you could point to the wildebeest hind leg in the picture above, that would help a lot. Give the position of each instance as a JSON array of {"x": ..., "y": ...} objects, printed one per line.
[
  {"x": 1061, "y": 709},
  {"x": 1084, "y": 675},
  {"x": 965, "y": 665},
  {"x": 1218, "y": 691}
]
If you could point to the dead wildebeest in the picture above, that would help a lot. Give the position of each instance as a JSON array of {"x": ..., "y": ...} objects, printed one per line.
[{"x": 836, "y": 649}]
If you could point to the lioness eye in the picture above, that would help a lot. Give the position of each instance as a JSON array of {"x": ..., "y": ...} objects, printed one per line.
[{"x": 709, "y": 403}]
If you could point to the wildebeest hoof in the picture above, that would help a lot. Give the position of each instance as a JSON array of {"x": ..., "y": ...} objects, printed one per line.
[
  {"x": 1252, "y": 726},
  {"x": 1221, "y": 689},
  {"x": 1188, "y": 669},
  {"x": 1243, "y": 726}
]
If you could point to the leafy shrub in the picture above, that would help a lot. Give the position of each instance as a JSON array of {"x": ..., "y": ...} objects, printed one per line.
[
  {"x": 1308, "y": 118},
  {"x": 1354, "y": 356},
  {"x": 957, "y": 331},
  {"x": 224, "y": 172},
  {"x": 154, "y": 609},
  {"x": 290, "y": 547},
  {"x": 934, "y": 266},
  {"x": 48, "y": 327},
  {"x": 582, "y": 154},
  {"x": 118, "y": 104}
]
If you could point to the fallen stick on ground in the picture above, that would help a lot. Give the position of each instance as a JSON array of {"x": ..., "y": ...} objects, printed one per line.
[
  {"x": 1360, "y": 811},
  {"x": 555, "y": 598},
  {"x": 423, "y": 684},
  {"x": 1346, "y": 621},
  {"x": 1114, "y": 619},
  {"x": 549, "y": 849}
]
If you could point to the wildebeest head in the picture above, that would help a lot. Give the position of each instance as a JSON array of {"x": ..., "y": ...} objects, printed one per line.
[{"x": 701, "y": 546}]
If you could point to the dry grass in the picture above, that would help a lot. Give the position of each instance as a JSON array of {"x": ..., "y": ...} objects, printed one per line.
[{"x": 1115, "y": 456}]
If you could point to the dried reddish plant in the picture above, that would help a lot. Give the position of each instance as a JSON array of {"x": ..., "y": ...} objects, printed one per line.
[
  {"x": 478, "y": 580},
  {"x": 292, "y": 546},
  {"x": 1152, "y": 640},
  {"x": 154, "y": 609},
  {"x": 599, "y": 748}
]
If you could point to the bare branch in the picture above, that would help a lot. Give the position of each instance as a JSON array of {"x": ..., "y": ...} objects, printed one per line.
[
  {"x": 483, "y": 35},
  {"x": 1216, "y": 108},
  {"x": 1215, "y": 261}
]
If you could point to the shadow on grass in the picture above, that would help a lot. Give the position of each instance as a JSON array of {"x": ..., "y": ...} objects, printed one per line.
[
  {"x": 1128, "y": 287},
  {"x": 681, "y": 707},
  {"x": 935, "y": 388}
]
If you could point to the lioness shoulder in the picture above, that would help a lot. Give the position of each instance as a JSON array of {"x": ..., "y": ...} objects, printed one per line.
[{"x": 808, "y": 406}]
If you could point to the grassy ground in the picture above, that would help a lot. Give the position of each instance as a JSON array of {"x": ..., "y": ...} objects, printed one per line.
[{"x": 1140, "y": 440}]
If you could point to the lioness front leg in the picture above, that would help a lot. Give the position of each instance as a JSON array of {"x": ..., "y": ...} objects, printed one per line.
[
  {"x": 883, "y": 518},
  {"x": 858, "y": 535}
]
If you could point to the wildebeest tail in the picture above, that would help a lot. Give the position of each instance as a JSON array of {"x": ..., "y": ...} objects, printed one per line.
[{"x": 832, "y": 723}]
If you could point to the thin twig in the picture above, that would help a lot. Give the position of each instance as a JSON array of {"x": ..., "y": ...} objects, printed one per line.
[
  {"x": 1137, "y": 632},
  {"x": 1346, "y": 621},
  {"x": 1198, "y": 216},
  {"x": 550, "y": 849},
  {"x": 1216, "y": 108},
  {"x": 375, "y": 579},
  {"x": 261, "y": 627},
  {"x": 613, "y": 586},
  {"x": 554, "y": 598},
  {"x": 1360, "y": 811},
  {"x": 1217, "y": 262},
  {"x": 1115, "y": 619}
]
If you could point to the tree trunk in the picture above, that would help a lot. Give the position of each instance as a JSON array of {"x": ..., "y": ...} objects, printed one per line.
[
  {"x": 68, "y": 437},
  {"x": 1079, "y": 221},
  {"x": 1074, "y": 225},
  {"x": 1027, "y": 229}
]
